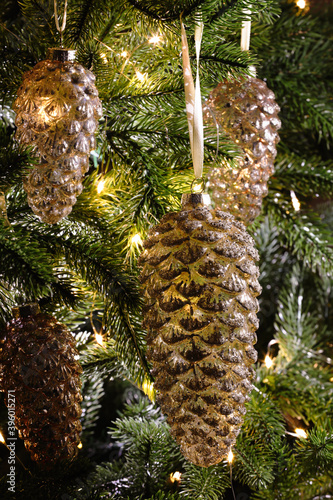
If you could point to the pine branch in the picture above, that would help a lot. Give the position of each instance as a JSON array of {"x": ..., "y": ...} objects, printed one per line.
[
  {"x": 204, "y": 483},
  {"x": 305, "y": 235},
  {"x": 84, "y": 18},
  {"x": 308, "y": 176}
]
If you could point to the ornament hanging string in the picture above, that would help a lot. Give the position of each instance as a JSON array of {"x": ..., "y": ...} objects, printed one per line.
[
  {"x": 63, "y": 26},
  {"x": 193, "y": 100},
  {"x": 246, "y": 32},
  {"x": 245, "y": 39}
]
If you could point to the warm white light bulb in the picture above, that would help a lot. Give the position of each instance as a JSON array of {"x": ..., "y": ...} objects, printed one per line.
[
  {"x": 230, "y": 457},
  {"x": 154, "y": 39},
  {"x": 295, "y": 201},
  {"x": 136, "y": 240},
  {"x": 99, "y": 339},
  {"x": 100, "y": 186},
  {"x": 301, "y": 433},
  {"x": 80, "y": 445},
  {"x": 140, "y": 76},
  {"x": 301, "y": 4},
  {"x": 175, "y": 476},
  {"x": 2, "y": 439},
  {"x": 124, "y": 53},
  {"x": 103, "y": 56},
  {"x": 268, "y": 361}
]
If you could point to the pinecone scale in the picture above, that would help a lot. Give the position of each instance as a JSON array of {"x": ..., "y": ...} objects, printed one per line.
[
  {"x": 246, "y": 111},
  {"x": 38, "y": 362},
  {"x": 57, "y": 110},
  {"x": 200, "y": 282}
]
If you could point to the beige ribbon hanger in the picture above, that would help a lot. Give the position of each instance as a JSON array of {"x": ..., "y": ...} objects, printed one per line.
[{"x": 193, "y": 100}]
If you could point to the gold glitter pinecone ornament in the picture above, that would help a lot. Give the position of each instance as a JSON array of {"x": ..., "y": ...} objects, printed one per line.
[
  {"x": 246, "y": 110},
  {"x": 200, "y": 282},
  {"x": 37, "y": 362},
  {"x": 57, "y": 112}
]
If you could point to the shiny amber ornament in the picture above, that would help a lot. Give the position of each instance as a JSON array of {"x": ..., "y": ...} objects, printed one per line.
[
  {"x": 57, "y": 109},
  {"x": 37, "y": 363},
  {"x": 200, "y": 283},
  {"x": 247, "y": 112}
]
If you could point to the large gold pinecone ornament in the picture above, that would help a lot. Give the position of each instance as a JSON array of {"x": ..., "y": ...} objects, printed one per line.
[
  {"x": 37, "y": 363},
  {"x": 57, "y": 112},
  {"x": 200, "y": 284},
  {"x": 247, "y": 112}
]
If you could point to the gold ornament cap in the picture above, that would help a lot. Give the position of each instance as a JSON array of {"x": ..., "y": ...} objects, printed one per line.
[
  {"x": 61, "y": 55},
  {"x": 26, "y": 310},
  {"x": 195, "y": 200}
]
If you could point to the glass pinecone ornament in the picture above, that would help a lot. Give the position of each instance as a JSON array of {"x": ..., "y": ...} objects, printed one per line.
[
  {"x": 200, "y": 283},
  {"x": 246, "y": 110},
  {"x": 37, "y": 361},
  {"x": 57, "y": 110}
]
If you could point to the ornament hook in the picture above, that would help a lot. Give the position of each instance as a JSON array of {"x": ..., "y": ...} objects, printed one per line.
[{"x": 63, "y": 26}]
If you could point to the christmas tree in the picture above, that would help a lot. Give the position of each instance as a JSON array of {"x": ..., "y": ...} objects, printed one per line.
[{"x": 84, "y": 270}]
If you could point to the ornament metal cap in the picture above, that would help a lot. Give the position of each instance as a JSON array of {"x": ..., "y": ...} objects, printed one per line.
[
  {"x": 62, "y": 55},
  {"x": 195, "y": 200},
  {"x": 26, "y": 310}
]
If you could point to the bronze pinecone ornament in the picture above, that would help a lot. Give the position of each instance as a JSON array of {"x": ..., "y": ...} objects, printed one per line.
[
  {"x": 57, "y": 110},
  {"x": 201, "y": 283},
  {"x": 247, "y": 112},
  {"x": 37, "y": 361}
]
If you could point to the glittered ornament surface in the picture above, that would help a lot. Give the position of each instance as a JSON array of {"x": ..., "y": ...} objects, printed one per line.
[
  {"x": 37, "y": 362},
  {"x": 247, "y": 112},
  {"x": 201, "y": 282},
  {"x": 57, "y": 110}
]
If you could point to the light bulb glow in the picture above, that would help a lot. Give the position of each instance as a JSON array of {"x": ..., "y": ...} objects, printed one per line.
[
  {"x": 154, "y": 39},
  {"x": 99, "y": 339},
  {"x": 175, "y": 476},
  {"x": 80, "y": 445},
  {"x": 103, "y": 56},
  {"x": 136, "y": 240},
  {"x": 301, "y": 4},
  {"x": 301, "y": 433},
  {"x": 2, "y": 439},
  {"x": 124, "y": 53},
  {"x": 295, "y": 201},
  {"x": 100, "y": 186},
  {"x": 268, "y": 361},
  {"x": 230, "y": 457},
  {"x": 140, "y": 76}
]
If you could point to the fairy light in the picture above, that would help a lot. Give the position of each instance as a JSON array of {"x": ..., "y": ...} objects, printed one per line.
[
  {"x": 2, "y": 439},
  {"x": 80, "y": 445},
  {"x": 100, "y": 186},
  {"x": 140, "y": 76},
  {"x": 103, "y": 56},
  {"x": 136, "y": 240},
  {"x": 295, "y": 201},
  {"x": 301, "y": 433},
  {"x": 268, "y": 361},
  {"x": 99, "y": 339},
  {"x": 175, "y": 476},
  {"x": 301, "y": 4},
  {"x": 124, "y": 53},
  {"x": 230, "y": 457},
  {"x": 154, "y": 39}
]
